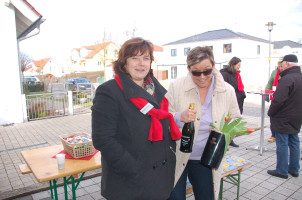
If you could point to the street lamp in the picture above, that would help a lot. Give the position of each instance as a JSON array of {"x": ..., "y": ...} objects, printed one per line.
[{"x": 270, "y": 28}]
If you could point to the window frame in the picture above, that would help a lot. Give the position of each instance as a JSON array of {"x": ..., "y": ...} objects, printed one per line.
[
  {"x": 173, "y": 52},
  {"x": 173, "y": 72},
  {"x": 186, "y": 50},
  {"x": 227, "y": 48}
]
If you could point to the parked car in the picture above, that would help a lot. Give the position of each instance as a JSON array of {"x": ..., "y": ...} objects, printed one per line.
[
  {"x": 31, "y": 79},
  {"x": 78, "y": 84}
]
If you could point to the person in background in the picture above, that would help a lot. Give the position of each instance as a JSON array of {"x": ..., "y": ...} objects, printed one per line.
[
  {"x": 213, "y": 97},
  {"x": 272, "y": 85},
  {"x": 231, "y": 75},
  {"x": 133, "y": 130},
  {"x": 286, "y": 118}
]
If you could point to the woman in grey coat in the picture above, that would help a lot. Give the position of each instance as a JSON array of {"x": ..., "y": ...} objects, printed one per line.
[{"x": 133, "y": 130}]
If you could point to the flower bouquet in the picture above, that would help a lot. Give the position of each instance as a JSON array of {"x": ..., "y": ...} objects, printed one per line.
[{"x": 219, "y": 140}]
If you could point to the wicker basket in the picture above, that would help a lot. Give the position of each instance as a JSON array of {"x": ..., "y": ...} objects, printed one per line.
[{"x": 77, "y": 150}]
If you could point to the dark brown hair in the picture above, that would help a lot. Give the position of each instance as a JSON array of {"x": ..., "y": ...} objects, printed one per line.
[
  {"x": 131, "y": 48},
  {"x": 234, "y": 61},
  {"x": 199, "y": 54}
]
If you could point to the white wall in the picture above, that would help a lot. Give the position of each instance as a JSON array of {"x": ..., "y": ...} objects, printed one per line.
[
  {"x": 255, "y": 66},
  {"x": 10, "y": 86}
]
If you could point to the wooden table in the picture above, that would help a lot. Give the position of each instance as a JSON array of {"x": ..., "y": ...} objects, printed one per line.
[{"x": 45, "y": 168}]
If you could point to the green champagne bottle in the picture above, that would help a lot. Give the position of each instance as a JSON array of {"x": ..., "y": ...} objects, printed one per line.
[{"x": 188, "y": 130}]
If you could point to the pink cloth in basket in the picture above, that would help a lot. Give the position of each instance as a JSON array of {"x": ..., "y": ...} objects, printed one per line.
[{"x": 67, "y": 156}]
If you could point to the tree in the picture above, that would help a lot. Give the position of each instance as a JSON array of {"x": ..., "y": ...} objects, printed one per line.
[
  {"x": 24, "y": 60},
  {"x": 104, "y": 50}
]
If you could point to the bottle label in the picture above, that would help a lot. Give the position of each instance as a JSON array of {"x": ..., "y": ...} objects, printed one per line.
[
  {"x": 186, "y": 144},
  {"x": 146, "y": 108}
]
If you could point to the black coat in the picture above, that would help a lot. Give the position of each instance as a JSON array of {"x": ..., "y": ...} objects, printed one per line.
[
  {"x": 285, "y": 110},
  {"x": 132, "y": 166},
  {"x": 231, "y": 78}
]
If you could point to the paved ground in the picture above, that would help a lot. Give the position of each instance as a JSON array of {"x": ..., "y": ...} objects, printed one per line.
[{"x": 255, "y": 182}]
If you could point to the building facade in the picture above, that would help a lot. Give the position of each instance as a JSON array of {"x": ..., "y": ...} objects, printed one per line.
[{"x": 226, "y": 44}]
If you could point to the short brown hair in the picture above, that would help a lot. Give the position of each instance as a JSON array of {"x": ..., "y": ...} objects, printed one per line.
[
  {"x": 131, "y": 48},
  {"x": 199, "y": 54}
]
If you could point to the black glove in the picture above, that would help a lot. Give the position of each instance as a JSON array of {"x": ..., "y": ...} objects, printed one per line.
[{"x": 267, "y": 98}]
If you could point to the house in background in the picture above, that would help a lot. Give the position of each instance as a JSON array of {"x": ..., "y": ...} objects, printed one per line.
[
  {"x": 284, "y": 47},
  {"x": 253, "y": 52},
  {"x": 157, "y": 53},
  {"x": 93, "y": 57},
  {"x": 46, "y": 67},
  {"x": 19, "y": 20}
]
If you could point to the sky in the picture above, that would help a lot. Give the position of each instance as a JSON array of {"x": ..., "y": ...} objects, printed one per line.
[{"x": 74, "y": 23}]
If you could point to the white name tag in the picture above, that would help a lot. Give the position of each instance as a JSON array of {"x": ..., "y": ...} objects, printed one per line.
[{"x": 146, "y": 108}]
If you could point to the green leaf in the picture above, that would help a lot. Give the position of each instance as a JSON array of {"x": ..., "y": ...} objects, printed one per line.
[
  {"x": 230, "y": 126},
  {"x": 213, "y": 126},
  {"x": 222, "y": 122},
  {"x": 227, "y": 143}
]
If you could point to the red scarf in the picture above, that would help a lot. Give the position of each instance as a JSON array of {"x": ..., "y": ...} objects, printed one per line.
[
  {"x": 156, "y": 129},
  {"x": 239, "y": 81},
  {"x": 275, "y": 83}
]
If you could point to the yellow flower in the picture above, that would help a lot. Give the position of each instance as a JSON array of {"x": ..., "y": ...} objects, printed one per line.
[
  {"x": 233, "y": 156},
  {"x": 243, "y": 161},
  {"x": 237, "y": 164},
  {"x": 225, "y": 169},
  {"x": 236, "y": 159},
  {"x": 226, "y": 165},
  {"x": 224, "y": 161}
]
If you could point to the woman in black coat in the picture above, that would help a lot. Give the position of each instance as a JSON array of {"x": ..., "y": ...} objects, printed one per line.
[
  {"x": 231, "y": 75},
  {"x": 133, "y": 130}
]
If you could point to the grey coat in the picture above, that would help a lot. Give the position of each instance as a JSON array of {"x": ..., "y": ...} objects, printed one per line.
[
  {"x": 132, "y": 166},
  {"x": 184, "y": 91}
]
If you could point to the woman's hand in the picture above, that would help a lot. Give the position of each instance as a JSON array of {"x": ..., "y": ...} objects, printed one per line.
[{"x": 188, "y": 116}]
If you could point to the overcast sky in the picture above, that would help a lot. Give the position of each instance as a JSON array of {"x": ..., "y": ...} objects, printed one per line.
[{"x": 75, "y": 23}]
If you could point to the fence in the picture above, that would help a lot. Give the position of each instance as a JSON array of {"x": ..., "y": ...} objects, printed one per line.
[{"x": 47, "y": 105}]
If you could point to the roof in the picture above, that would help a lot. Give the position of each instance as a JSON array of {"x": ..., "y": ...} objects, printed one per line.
[
  {"x": 157, "y": 48},
  {"x": 27, "y": 17},
  {"x": 41, "y": 63},
  {"x": 281, "y": 44},
  {"x": 94, "y": 49},
  {"x": 217, "y": 35}
]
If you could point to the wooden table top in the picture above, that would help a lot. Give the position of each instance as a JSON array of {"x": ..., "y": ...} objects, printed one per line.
[{"x": 45, "y": 168}]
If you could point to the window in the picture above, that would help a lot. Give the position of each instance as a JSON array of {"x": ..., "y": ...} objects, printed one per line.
[
  {"x": 173, "y": 72},
  {"x": 258, "y": 49},
  {"x": 186, "y": 51},
  {"x": 227, "y": 48},
  {"x": 173, "y": 52}
]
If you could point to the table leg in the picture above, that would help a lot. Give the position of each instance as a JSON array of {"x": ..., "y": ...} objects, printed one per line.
[
  {"x": 235, "y": 181},
  {"x": 73, "y": 188},
  {"x": 53, "y": 189},
  {"x": 221, "y": 189},
  {"x": 238, "y": 186},
  {"x": 261, "y": 148},
  {"x": 65, "y": 188},
  {"x": 262, "y": 123},
  {"x": 73, "y": 185}
]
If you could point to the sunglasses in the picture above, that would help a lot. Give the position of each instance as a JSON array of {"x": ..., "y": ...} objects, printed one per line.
[{"x": 205, "y": 73}]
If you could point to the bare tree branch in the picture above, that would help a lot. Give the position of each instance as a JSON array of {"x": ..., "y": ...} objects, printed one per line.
[{"x": 25, "y": 59}]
